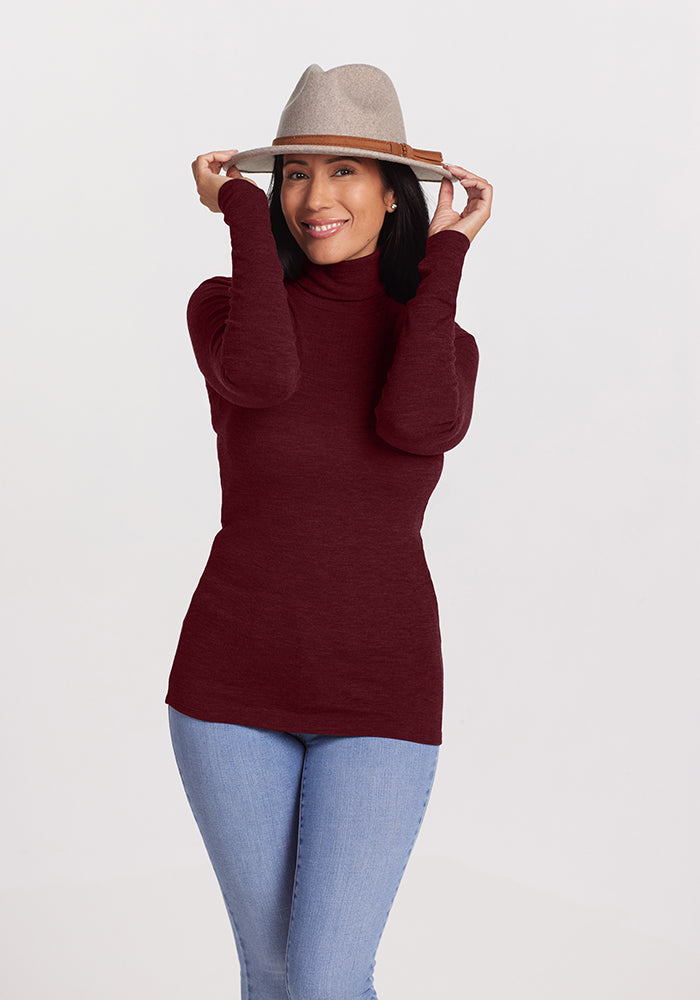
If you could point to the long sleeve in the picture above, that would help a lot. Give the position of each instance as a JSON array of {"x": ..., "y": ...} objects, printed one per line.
[
  {"x": 427, "y": 399},
  {"x": 241, "y": 328}
]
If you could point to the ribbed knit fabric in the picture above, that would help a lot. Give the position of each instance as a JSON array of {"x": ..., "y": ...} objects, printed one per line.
[{"x": 333, "y": 405}]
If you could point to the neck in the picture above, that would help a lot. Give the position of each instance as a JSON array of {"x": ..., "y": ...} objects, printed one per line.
[{"x": 358, "y": 278}]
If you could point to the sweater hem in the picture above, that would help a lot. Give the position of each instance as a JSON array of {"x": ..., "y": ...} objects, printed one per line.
[{"x": 294, "y": 722}]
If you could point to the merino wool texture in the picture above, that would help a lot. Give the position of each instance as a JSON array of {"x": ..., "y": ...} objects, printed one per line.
[{"x": 333, "y": 405}]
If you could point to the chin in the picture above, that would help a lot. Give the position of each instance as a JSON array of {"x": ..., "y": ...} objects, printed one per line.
[{"x": 327, "y": 255}]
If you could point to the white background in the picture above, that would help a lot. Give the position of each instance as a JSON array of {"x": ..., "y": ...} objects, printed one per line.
[{"x": 559, "y": 854}]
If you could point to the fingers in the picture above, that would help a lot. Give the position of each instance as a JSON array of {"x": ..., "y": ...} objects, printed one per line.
[
  {"x": 445, "y": 193},
  {"x": 460, "y": 172},
  {"x": 466, "y": 178},
  {"x": 207, "y": 175},
  {"x": 229, "y": 162},
  {"x": 211, "y": 161}
]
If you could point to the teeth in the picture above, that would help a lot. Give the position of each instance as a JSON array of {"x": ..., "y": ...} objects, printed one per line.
[{"x": 321, "y": 229}]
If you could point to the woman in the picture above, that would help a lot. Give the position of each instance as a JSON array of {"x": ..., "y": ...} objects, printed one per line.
[{"x": 305, "y": 697}]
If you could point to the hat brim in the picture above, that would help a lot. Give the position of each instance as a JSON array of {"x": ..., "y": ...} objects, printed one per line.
[{"x": 262, "y": 160}]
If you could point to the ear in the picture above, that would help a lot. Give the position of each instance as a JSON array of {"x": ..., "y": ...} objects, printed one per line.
[{"x": 389, "y": 199}]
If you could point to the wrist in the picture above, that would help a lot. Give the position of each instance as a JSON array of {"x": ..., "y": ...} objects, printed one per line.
[{"x": 457, "y": 238}]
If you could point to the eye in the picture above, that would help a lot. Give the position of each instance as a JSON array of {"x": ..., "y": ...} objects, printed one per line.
[{"x": 300, "y": 173}]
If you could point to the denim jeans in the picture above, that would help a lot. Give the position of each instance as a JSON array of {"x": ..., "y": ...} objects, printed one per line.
[{"x": 309, "y": 836}]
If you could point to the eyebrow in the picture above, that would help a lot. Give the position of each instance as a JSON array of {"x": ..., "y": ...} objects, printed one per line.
[{"x": 330, "y": 159}]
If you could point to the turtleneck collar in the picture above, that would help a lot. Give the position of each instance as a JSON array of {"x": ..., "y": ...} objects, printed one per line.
[{"x": 346, "y": 280}]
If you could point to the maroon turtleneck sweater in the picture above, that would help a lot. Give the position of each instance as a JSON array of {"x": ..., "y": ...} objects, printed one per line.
[{"x": 333, "y": 405}]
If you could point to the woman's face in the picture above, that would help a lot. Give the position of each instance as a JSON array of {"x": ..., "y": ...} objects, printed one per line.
[{"x": 342, "y": 192}]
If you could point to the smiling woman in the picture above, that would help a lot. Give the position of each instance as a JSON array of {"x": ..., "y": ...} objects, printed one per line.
[
  {"x": 334, "y": 207},
  {"x": 380, "y": 204},
  {"x": 305, "y": 695}
]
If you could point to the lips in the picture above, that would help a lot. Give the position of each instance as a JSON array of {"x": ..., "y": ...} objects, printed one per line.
[{"x": 319, "y": 228}]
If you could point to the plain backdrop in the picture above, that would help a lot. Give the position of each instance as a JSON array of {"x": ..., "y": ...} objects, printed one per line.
[{"x": 559, "y": 854}]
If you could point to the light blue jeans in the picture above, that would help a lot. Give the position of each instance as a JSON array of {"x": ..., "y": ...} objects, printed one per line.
[{"x": 309, "y": 837}]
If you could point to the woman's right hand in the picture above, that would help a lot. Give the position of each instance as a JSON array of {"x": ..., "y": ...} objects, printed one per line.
[{"x": 206, "y": 169}]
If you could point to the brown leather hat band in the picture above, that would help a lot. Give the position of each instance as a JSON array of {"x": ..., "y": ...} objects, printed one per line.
[{"x": 376, "y": 145}]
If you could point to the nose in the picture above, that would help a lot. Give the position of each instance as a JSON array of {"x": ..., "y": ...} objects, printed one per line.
[{"x": 318, "y": 193}]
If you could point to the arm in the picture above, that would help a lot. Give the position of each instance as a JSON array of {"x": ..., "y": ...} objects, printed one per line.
[
  {"x": 241, "y": 330},
  {"x": 426, "y": 403}
]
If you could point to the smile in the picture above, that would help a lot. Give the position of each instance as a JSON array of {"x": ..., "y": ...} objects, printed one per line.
[{"x": 324, "y": 230}]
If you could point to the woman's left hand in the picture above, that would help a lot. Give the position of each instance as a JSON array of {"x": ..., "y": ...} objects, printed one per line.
[{"x": 476, "y": 211}]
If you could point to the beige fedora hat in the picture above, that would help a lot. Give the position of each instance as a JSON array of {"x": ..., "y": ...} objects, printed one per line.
[{"x": 348, "y": 109}]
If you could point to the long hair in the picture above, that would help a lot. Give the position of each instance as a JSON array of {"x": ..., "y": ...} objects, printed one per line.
[{"x": 402, "y": 238}]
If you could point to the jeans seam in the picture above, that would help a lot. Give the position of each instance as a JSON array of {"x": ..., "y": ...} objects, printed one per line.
[{"x": 296, "y": 874}]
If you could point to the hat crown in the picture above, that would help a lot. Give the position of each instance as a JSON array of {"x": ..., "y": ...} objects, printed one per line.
[{"x": 355, "y": 99}]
